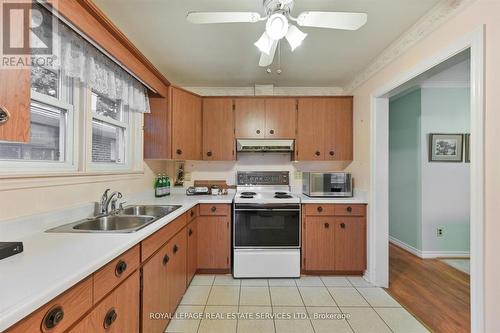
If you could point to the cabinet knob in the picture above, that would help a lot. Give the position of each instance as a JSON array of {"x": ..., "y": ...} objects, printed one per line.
[
  {"x": 320, "y": 209},
  {"x": 190, "y": 232},
  {"x": 271, "y": 132},
  {"x": 327, "y": 225},
  {"x": 257, "y": 131},
  {"x": 332, "y": 153},
  {"x": 213, "y": 209},
  {"x": 121, "y": 267},
  {"x": 4, "y": 115},
  {"x": 191, "y": 213},
  {"x": 165, "y": 259},
  {"x": 209, "y": 153},
  {"x": 179, "y": 152},
  {"x": 342, "y": 225},
  {"x": 175, "y": 249},
  {"x": 317, "y": 153},
  {"x": 110, "y": 318},
  {"x": 349, "y": 209},
  {"x": 53, "y": 317}
]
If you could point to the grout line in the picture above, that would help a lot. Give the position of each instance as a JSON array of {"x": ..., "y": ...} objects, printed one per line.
[
  {"x": 305, "y": 307},
  {"x": 206, "y": 302},
  {"x": 366, "y": 300},
  {"x": 338, "y": 306}
]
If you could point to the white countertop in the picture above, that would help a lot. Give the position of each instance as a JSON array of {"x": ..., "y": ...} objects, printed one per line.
[
  {"x": 360, "y": 197},
  {"x": 53, "y": 262}
]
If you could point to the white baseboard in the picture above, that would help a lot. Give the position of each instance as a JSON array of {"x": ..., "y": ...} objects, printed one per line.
[{"x": 429, "y": 254}]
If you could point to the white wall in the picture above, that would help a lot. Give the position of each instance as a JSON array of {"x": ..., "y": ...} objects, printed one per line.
[{"x": 445, "y": 185}]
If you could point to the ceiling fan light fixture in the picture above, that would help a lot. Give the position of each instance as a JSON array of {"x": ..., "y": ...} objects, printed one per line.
[
  {"x": 264, "y": 44},
  {"x": 277, "y": 26},
  {"x": 295, "y": 37}
]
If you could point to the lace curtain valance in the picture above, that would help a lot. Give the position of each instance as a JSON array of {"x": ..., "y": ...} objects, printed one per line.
[{"x": 79, "y": 59}]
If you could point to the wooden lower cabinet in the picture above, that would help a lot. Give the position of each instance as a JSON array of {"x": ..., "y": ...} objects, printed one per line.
[
  {"x": 176, "y": 274},
  {"x": 117, "y": 313},
  {"x": 214, "y": 238},
  {"x": 192, "y": 250},
  {"x": 334, "y": 242}
]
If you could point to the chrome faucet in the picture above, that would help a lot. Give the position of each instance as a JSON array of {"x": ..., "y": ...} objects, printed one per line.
[{"x": 109, "y": 200}]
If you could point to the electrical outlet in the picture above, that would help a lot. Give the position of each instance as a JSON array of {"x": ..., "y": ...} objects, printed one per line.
[
  {"x": 297, "y": 175},
  {"x": 439, "y": 232}
]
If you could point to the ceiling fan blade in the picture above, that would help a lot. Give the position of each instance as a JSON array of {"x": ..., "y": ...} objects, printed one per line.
[
  {"x": 267, "y": 59},
  {"x": 223, "y": 17},
  {"x": 332, "y": 20}
]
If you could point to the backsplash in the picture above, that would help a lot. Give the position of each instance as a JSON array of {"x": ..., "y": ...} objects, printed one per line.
[{"x": 255, "y": 162}]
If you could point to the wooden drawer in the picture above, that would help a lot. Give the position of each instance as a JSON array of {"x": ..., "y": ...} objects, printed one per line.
[
  {"x": 192, "y": 213},
  {"x": 115, "y": 272},
  {"x": 156, "y": 240},
  {"x": 117, "y": 313},
  {"x": 350, "y": 210},
  {"x": 215, "y": 209},
  {"x": 319, "y": 209},
  {"x": 68, "y": 307}
]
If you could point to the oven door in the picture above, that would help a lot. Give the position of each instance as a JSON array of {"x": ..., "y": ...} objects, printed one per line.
[{"x": 262, "y": 226}]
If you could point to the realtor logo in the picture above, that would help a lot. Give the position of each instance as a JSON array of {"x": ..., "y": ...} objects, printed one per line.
[{"x": 27, "y": 33}]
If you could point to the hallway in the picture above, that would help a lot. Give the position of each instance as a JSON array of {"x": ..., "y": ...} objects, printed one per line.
[{"x": 436, "y": 293}]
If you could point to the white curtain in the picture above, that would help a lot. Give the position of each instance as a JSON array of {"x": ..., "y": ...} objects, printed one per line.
[{"x": 81, "y": 60}]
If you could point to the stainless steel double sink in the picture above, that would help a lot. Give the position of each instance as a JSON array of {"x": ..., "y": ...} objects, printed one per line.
[{"x": 128, "y": 219}]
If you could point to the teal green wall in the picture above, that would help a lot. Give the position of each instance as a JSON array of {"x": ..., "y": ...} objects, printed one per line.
[{"x": 404, "y": 169}]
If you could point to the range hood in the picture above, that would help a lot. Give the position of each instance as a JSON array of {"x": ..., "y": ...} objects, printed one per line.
[{"x": 264, "y": 145}]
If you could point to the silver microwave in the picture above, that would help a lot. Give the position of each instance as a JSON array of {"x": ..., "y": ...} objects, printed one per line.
[{"x": 327, "y": 184}]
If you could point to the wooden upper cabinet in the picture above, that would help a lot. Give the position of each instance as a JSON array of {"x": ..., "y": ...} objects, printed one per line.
[
  {"x": 281, "y": 118},
  {"x": 158, "y": 129},
  {"x": 310, "y": 129},
  {"x": 186, "y": 125},
  {"x": 218, "y": 129},
  {"x": 324, "y": 129},
  {"x": 250, "y": 117},
  {"x": 338, "y": 129}
]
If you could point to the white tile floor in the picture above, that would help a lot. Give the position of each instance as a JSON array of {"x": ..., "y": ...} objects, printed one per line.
[{"x": 221, "y": 304}]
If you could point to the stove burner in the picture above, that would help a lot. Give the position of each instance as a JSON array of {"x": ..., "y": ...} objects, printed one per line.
[
  {"x": 282, "y": 196},
  {"x": 247, "y": 194},
  {"x": 281, "y": 193}
]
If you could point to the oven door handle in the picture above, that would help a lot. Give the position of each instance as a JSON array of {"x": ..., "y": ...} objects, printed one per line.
[{"x": 266, "y": 210}]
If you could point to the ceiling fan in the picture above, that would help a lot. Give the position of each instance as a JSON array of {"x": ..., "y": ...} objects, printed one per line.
[{"x": 278, "y": 26}]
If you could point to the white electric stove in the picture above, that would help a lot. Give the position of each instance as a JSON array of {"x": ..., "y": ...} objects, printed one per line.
[{"x": 266, "y": 226}]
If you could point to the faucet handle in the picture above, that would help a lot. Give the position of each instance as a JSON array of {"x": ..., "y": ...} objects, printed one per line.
[{"x": 121, "y": 205}]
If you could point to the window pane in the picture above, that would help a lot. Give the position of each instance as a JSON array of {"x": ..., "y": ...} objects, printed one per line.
[
  {"x": 46, "y": 142},
  {"x": 45, "y": 81},
  {"x": 106, "y": 107},
  {"x": 108, "y": 143}
]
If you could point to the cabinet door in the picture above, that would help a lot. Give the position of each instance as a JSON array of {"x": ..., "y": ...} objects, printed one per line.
[
  {"x": 250, "y": 117},
  {"x": 117, "y": 313},
  {"x": 338, "y": 129},
  {"x": 281, "y": 118},
  {"x": 214, "y": 242},
  {"x": 155, "y": 290},
  {"x": 319, "y": 252},
  {"x": 186, "y": 125},
  {"x": 218, "y": 129},
  {"x": 350, "y": 244},
  {"x": 192, "y": 250},
  {"x": 310, "y": 129},
  {"x": 176, "y": 275}
]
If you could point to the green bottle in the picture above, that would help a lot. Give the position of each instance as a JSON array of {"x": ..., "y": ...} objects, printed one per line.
[
  {"x": 157, "y": 186},
  {"x": 167, "y": 188}
]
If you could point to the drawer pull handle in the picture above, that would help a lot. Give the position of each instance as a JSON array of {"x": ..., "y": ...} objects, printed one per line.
[
  {"x": 121, "y": 267},
  {"x": 110, "y": 318},
  {"x": 209, "y": 153},
  {"x": 257, "y": 131},
  {"x": 4, "y": 115},
  {"x": 190, "y": 232},
  {"x": 165, "y": 259},
  {"x": 327, "y": 225},
  {"x": 320, "y": 209},
  {"x": 53, "y": 317},
  {"x": 342, "y": 225},
  {"x": 213, "y": 209},
  {"x": 179, "y": 152},
  {"x": 332, "y": 153},
  {"x": 317, "y": 153},
  {"x": 175, "y": 249},
  {"x": 191, "y": 213},
  {"x": 349, "y": 209},
  {"x": 271, "y": 132}
]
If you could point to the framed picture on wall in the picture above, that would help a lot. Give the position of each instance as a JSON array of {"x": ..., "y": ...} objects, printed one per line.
[
  {"x": 445, "y": 147},
  {"x": 467, "y": 147}
]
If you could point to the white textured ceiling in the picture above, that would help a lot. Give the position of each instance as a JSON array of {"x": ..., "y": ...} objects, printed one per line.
[{"x": 224, "y": 54}]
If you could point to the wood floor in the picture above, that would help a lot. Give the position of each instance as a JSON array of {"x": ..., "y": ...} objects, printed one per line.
[{"x": 434, "y": 292}]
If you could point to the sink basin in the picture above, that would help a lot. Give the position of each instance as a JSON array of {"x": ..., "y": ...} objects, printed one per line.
[
  {"x": 157, "y": 211},
  {"x": 114, "y": 223},
  {"x": 129, "y": 219}
]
